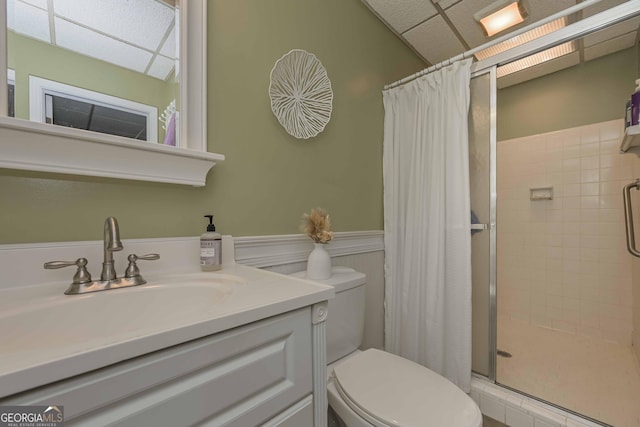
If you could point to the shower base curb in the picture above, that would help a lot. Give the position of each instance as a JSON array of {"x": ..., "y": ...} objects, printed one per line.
[{"x": 515, "y": 409}]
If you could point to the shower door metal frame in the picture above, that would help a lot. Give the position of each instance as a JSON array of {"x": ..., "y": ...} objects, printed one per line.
[
  {"x": 491, "y": 226},
  {"x": 589, "y": 25}
]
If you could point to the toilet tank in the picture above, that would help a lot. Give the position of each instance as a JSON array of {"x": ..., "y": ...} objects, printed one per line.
[{"x": 345, "y": 320}]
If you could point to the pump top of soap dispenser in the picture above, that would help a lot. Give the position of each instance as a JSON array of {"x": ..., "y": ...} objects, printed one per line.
[{"x": 211, "y": 226}]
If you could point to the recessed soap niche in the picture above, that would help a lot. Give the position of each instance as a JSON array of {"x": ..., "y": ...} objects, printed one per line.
[{"x": 541, "y": 193}]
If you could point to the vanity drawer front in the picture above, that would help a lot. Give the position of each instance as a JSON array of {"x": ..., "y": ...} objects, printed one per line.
[{"x": 240, "y": 377}]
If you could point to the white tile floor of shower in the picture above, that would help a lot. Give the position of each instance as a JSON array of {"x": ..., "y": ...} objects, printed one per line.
[{"x": 592, "y": 377}]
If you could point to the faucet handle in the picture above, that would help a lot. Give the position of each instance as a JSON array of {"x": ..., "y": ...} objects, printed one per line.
[
  {"x": 132, "y": 269},
  {"x": 82, "y": 275}
]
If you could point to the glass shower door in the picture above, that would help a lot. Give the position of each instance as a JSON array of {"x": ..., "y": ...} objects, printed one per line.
[{"x": 482, "y": 177}]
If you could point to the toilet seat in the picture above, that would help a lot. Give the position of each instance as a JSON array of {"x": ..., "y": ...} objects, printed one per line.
[{"x": 388, "y": 390}]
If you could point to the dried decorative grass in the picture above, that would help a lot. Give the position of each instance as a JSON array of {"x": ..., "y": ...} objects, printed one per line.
[{"x": 317, "y": 225}]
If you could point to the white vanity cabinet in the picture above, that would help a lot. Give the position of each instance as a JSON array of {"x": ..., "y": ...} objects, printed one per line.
[{"x": 257, "y": 374}]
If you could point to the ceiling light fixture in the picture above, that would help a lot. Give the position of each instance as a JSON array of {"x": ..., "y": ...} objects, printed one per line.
[
  {"x": 501, "y": 15},
  {"x": 532, "y": 60},
  {"x": 538, "y": 58},
  {"x": 523, "y": 38}
]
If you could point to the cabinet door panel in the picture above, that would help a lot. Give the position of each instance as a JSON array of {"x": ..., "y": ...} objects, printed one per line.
[
  {"x": 300, "y": 414},
  {"x": 247, "y": 374}
]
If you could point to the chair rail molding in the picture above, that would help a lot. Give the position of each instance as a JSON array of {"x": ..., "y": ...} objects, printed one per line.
[
  {"x": 21, "y": 263},
  {"x": 268, "y": 251}
]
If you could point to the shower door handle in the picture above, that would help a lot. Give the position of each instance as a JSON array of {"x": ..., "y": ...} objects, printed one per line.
[
  {"x": 628, "y": 217},
  {"x": 490, "y": 226},
  {"x": 479, "y": 226}
]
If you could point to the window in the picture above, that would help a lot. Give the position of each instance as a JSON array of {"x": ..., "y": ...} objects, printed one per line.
[{"x": 70, "y": 106}]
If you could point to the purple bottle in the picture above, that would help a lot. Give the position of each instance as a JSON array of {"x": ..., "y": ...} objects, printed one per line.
[{"x": 635, "y": 104}]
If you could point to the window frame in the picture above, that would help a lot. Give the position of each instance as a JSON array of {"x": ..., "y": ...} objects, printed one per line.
[{"x": 39, "y": 88}]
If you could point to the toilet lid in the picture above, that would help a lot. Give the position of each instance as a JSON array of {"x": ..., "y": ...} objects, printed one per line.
[{"x": 393, "y": 391}]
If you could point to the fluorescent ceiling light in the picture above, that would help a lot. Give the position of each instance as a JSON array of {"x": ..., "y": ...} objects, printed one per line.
[
  {"x": 523, "y": 38},
  {"x": 538, "y": 58},
  {"x": 501, "y": 15}
]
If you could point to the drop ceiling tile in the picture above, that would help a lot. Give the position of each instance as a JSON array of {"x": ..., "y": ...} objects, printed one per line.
[
  {"x": 28, "y": 20},
  {"x": 540, "y": 9},
  {"x": 42, "y": 4},
  {"x": 434, "y": 40},
  {"x": 461, "y": 15},
  {"x": 161, "y": 67},
  {"x": 446, "y": 3},
  {"x": 169, "y": 47},
  {"x": 540, "y": 70},
  {"x": 600, "y": 7},
  {"x": 143, "y": 22},
  {"x": 612, "y": 32},
  {"x": 402, "y": 15},
  {"x": 610, "y": 46},
  {"x": 95, "y": 45}
]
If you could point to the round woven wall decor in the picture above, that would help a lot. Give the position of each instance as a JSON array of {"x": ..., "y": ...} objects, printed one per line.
[{"x": 300, "y": 93}]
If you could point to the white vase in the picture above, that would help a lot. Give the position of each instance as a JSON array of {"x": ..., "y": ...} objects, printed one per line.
[{"x": 319, "y": 263}]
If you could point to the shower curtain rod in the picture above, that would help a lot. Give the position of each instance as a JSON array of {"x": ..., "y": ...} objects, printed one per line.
[{"x": 475, "y": 50}]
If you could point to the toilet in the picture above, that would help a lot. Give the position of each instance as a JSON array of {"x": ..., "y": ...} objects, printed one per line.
[{"x": 375, "y": 388}]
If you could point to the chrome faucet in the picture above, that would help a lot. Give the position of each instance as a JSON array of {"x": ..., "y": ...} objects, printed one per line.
[
  {"x": 82, "y": 282},
  {"x": 111, "y": 244}
]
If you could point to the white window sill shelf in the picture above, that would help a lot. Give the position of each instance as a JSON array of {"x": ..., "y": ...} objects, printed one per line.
[{"x": 35, "y": 146}]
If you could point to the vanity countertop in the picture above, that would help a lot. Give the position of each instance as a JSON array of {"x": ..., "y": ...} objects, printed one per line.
[{"x": 47, "y": 336}]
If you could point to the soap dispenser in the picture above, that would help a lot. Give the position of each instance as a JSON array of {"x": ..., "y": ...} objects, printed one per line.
[{"x": 210, "y": 248}]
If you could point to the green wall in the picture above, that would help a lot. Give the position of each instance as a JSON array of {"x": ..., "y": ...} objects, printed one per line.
[
  {"x": 269, "y": 178},
  {"x": 592, "y": 92},
  {"x": 32, "y": 57}
]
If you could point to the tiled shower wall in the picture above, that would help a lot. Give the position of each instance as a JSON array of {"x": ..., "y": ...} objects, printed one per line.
[{"x": 563, "y": 263}]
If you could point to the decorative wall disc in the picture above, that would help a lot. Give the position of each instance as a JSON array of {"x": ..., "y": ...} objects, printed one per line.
[{"x": 301, "y": 95}]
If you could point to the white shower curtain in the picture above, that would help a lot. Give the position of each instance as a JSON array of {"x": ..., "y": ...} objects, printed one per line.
[{"x": 427, "y": 222}]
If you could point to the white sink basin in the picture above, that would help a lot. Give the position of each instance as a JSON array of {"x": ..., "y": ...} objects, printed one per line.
[
  {"x": 114, "y": 315},
  {"x": 47, "y": 336}
]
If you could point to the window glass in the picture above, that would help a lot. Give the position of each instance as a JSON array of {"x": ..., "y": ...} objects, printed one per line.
[{"x": 63, "y": 111}]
